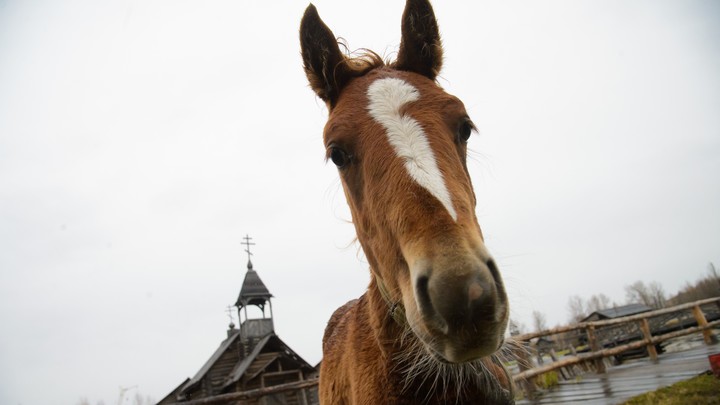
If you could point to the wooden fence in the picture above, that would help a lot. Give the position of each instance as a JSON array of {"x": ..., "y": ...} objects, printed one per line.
[
  {"x": 598, "y": 334},
  {"x": 645, "y": 330},
  {"x": 252, "y": 394}
]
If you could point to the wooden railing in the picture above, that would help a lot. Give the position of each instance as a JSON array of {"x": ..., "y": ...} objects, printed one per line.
[
  {"x": 251, "y": 394},
  {"x": 525, "y": 377},
  {"x": 600, "y": 350}
]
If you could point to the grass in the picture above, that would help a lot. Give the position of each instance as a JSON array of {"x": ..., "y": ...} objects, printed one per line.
[
  {"x": 548, "y": 380},
  {"x": 702, "y": 390}
]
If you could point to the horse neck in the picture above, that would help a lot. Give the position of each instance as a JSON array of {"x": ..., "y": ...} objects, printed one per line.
[{"x": 386, "y": 328}]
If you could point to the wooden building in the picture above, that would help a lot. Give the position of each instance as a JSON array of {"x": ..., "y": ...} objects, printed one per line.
[
  {"x": 251, "y": 357},
  {"x": 617, "y": 335},
  {"x": 617, "y": 312}
]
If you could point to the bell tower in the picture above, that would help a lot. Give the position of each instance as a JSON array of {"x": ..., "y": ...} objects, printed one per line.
[{"x": 253, "y": 293}]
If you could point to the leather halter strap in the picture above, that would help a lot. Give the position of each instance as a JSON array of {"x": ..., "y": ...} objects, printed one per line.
[{"x": 396, "y": 309}]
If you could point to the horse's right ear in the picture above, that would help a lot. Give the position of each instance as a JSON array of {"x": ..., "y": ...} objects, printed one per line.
[
  {"x": 323, "y": 62},
  {"x": 420, "y": 48}
]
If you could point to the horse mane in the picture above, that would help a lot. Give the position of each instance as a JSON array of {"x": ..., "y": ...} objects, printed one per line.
[{"x": 359, "y": 62}]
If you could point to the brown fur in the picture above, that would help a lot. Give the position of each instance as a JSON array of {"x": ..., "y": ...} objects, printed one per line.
[
  {"x": 359, "y": 364},
  {"x": 417, "y": 335}
]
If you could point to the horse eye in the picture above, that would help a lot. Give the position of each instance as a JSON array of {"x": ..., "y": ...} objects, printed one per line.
[
  {"x": 465, "y": 130},
  {"x": 338, "y": 156}
]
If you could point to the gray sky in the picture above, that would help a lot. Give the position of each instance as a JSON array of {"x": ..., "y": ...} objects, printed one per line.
[{"x": 141, "y": 140}]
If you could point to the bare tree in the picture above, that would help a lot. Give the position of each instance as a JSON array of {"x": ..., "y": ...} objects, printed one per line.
[
  {"x": 85, "y": 401},
  {"x": 638, "y": 293},
  {"x": 705, "y": 287},
  {"x": 516, "y": 328},
  {"x": 138, "y": 399},
  {"x": 598, "y": 302},
  {"x": 657, "y": 294},
  {"x": 651, "y": 294},
  {"x": 539, "y": 321},
  {"x": 576, "y": 308},
  {"x": 713, "y": 272}
]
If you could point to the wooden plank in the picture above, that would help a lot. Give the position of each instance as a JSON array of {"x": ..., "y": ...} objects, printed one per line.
[
  {"x": 701, "y": 321},
  {"x": 610, "y": 352},
  {"x": 568, "y": 328},
  {"x": 595, "y": 347},
  {"x": 645, "y": 327},
  {"x": 256, "y": 393},
  {"x": 565, "y": 373}
]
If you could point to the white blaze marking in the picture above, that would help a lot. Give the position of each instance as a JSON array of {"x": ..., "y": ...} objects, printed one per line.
[{"x": 407, "y": 137}]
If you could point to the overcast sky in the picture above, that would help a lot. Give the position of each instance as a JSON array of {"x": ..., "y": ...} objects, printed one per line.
[{"x": 141, "y": 140}]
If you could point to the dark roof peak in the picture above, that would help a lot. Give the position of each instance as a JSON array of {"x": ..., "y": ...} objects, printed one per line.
[{"x": 253, "y": 290}]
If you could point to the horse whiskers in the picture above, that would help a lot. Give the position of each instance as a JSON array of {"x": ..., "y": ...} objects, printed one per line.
[
  {"x": 418, "y": 367},
  {"x": 511, "y": 347}
]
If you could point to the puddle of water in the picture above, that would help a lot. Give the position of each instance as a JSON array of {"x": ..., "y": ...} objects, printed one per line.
[{"x": 630, "y": 379}]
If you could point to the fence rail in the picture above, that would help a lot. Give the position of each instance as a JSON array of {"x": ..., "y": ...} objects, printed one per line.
[
  {"x": 645, "y": 338},
  {"x": 608, "y": 322},
  {"x": 525, "y": 377},
  {"x": 256, "y": 393}
]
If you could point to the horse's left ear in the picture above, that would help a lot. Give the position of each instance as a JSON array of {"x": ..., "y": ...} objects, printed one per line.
[
  {"x": 325, "y": 66},
  {"x": 420, "y": 48}
]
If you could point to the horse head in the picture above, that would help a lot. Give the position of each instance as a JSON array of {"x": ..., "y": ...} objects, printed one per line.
[{"x": 399, "y": 142}]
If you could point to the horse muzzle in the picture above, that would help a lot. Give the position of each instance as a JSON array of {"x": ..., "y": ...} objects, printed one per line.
[{"x": 461, "y": 305}]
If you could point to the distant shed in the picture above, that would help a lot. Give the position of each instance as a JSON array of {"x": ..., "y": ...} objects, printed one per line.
[{"x": 617, "y": 312}]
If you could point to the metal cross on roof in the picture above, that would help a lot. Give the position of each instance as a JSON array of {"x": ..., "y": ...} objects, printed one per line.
[
  {"x": 230, "y": 313},
  {"x": 248, "y": 244}
]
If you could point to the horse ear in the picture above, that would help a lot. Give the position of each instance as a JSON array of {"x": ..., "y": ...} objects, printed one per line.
[
  {"x": 420, "y": 48},
  {"x": 323, "y": 62}
]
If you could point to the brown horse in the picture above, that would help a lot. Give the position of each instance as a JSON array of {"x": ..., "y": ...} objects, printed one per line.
[{"x": 433, "y": 318}]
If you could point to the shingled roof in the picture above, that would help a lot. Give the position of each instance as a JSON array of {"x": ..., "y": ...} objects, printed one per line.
[
  {"x": 252, "y": 357},
  {"x": 617, "y": 312},
  {"x": 253, "y": 291}
]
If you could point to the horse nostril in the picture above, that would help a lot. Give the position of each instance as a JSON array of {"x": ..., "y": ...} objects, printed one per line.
[
  {"x": 455, "y": 299},
  {"x": 494, "y": 272},
  {"x": 423, "y": 295},
  {"x": 480, "y": 291},
  {"x": 475, "y": 291},
  {"x": 427, "y": 301}
]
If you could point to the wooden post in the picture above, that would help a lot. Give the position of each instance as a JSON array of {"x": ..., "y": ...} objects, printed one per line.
[
  {"x": 647, "y": 334},
  {"x": 564, "y": 373},
  {"x": 702, "y": 322},
  {"x": 595, "y": 347},
  {"x": 302, "y": 392},
  {"x": 609, "y": 352},
  {"x": 582, "y": 365},
  {"x": 539, "y": 356}
]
